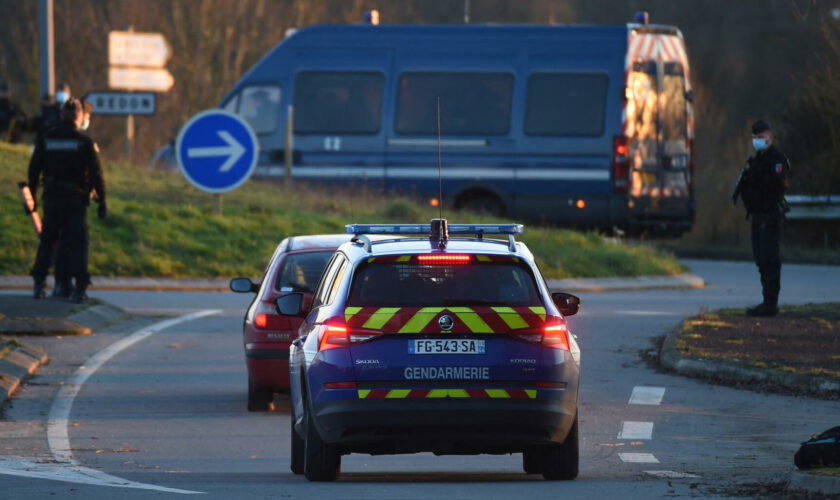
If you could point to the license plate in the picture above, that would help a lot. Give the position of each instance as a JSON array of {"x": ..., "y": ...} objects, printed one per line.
[{"x": 446, "y": 346}]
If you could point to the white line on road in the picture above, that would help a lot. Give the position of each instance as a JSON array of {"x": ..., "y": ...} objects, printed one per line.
[
  {"x": 670, "y": 474},
  {"x": 638, "y": 458},
  {"x": 58, "y": 436},
  {"x": 636, "y": 430},
  {"x": 646, "y": 395}
]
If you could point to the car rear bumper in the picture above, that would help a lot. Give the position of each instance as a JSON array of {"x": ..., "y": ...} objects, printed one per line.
[
  {"x": 267, "y": 368},
  {"x": 445, "y": 426}
]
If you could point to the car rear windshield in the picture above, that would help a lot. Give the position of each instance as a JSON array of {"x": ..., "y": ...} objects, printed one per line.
[
  {"x": 301, "y": 271},
  {"x": 406, "y": 282}
]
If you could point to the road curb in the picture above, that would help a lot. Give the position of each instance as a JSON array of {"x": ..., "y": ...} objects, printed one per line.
[
  {"x": 676, "y": 281},
  {"x": 672, "y": 359},
  {"x": 16, "y": 366},
  {"x": 814, "y": 483}
]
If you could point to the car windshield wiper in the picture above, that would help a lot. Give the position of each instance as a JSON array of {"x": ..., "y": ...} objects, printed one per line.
[{"x": 298, "y": 287}]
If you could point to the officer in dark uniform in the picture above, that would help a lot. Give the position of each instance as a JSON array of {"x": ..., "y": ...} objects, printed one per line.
[
  {"x": 762, "y": 188},
  {"x": 69, "y": 163}
]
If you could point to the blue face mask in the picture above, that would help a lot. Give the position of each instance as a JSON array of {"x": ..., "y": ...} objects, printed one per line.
[
  {"x": 759, "y": 144},
  {"x": 61, "y": 97}
]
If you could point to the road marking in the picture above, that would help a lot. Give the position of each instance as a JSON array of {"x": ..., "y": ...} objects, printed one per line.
[
  {"x": 636, "y": 430},
  {"x": 646, "y": 395},
  {"x": 670, "y": 474},
  {"x": 63, "y": 467},
  {"x": 635, "y": 312},
  {"x": 638, "y": 458}
]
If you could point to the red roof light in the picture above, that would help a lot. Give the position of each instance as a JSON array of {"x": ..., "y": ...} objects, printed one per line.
[{"x": 441, "y": 258}]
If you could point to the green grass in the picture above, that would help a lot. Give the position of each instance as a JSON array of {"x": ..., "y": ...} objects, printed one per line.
[{"x": 159, "y": 225}]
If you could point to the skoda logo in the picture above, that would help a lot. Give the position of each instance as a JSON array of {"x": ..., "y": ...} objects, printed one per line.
[{"x": 446, "y": 322}]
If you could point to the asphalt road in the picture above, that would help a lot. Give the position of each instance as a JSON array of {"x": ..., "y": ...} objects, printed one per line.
[{"x": 166, "y": 411}]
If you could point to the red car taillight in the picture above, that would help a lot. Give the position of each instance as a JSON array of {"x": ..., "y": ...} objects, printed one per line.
[
  {"x": 621, "y": 164},
  {"x": 336, "y": 334},
  {"x": 266, "y": 318},
  {"x": 553, "y": 334}
]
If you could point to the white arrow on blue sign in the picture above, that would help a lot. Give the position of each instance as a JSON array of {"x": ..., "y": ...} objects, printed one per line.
[{"x": 217, "y": 151}]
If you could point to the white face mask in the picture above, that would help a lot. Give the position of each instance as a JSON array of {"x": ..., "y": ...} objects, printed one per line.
[
  {"x": 759, "y": 144},
  {"x": 85, "y": 124},
  {"x": 61, "y": 97}
]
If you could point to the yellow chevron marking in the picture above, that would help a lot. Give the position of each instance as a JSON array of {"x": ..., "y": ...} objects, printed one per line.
[
  {"x": 378, "y": 319},
  {"x": 363, "y": 393},
  {"x": 539, "y": 311},
  {"x": 472, "y": 319},
  {"x": 512, "y": 318},
  {"x": 437, "y": 393},
  {"x": 371, "y": 259},
  {"x": 397, "y": 393},
  {"x": 497, "y": 393},
  {"x": 420, "y": 319},
  {"x": 483, "y": 258},
  {"x": 457, "y": 393},
  {"x": 404, "y": 258},
  {"x": 350, "y": 311},
  {"x": 532, "y": 393}
]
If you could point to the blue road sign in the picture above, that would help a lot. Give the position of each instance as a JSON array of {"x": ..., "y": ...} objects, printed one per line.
[{"x": 217, "y": 151}]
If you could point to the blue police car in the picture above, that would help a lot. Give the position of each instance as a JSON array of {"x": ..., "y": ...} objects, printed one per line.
[{"x": 446, "y": 342}]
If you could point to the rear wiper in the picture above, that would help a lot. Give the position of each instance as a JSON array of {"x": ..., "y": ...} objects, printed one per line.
[{"x": 298, "y": 287}]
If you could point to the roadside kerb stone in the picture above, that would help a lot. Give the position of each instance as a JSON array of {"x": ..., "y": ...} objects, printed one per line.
[
  {"x": 16, "y": 366},
  {"x": 672, "y": 359},
  {"x": 814, "y": 483}
]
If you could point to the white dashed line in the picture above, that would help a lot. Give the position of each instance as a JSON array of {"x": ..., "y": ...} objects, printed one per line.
[
  {"x": 638, "y": 458},
  {"x": 670, "y": 474},
  {"x": 646, "y": 395},
  {"x": 636, "y": 430}
]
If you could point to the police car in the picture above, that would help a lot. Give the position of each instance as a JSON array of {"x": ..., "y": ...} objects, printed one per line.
[{"x": 448, "y": 342}]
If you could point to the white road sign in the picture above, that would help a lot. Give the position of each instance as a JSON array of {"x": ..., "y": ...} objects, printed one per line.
[
  {"x": 148, "y": 50},
  {"x": 122, "y": 103},
  {"x": 153, "y": 80}
]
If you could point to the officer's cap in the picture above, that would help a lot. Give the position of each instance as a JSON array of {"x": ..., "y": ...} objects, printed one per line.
[{"x": 760, "y": 126}]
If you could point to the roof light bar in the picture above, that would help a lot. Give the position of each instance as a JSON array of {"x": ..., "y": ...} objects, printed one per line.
[
  {"x": 511, "y": 229},
  {"x": 443, "y": 258}
]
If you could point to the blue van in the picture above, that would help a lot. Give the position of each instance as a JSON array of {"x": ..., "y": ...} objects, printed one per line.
[{"x": 585, "y": 126}]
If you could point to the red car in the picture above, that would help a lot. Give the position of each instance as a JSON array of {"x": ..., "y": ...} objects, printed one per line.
[{"x": 296, "y": 266}]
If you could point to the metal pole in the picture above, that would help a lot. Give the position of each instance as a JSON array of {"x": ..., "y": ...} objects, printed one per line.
[
  {"x": 217, "y": 204},
  {"x": 47, "y": 48},
  {"x": 129, "y": 124},
  {"x": 288, "y": 156},
  {"x": 466, "y": 11}
]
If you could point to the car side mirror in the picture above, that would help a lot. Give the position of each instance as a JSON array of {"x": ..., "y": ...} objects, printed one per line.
[
  {"x": 566, "y": 303},
  {"x": 290, "y": 304},
  {"x": 244, "y": 285}
]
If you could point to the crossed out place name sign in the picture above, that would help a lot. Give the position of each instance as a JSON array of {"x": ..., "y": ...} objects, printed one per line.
[{"x": 217, "y": 151}]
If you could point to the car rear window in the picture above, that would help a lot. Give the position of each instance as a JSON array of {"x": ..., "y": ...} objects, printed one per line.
[
  {"x": 301, "y": 271},
  {"x": 389, "y": 281}
]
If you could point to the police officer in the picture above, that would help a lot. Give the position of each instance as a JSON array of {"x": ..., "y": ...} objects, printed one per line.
[
  {"x": 762, "y": 189},
  {"x": 69, "y": 163}
]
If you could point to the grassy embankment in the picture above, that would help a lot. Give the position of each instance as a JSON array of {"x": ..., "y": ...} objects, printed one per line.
[{"x": 159, "y": 225}]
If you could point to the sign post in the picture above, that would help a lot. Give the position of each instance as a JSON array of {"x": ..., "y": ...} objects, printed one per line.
[{"x": 217, "y": 152}]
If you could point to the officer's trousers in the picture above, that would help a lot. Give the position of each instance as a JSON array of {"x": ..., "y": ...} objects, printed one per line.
[
  {"x": 65, "y": 218},
  {"x": 766, "y": 230}
]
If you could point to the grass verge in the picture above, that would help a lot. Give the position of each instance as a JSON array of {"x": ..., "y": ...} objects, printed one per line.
[
  {"x": 802, "y": 339},
  {"x": 159, "y": 225}
]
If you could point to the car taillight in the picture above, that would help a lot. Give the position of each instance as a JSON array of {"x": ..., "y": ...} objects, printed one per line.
[
  {"x": 266, "y": 318},
  {"x": 336, "y": 334},
  {"x": 443, "y": 259},
  {"x": 621, "y": 164},
  {"x": 553, "y": 334}
]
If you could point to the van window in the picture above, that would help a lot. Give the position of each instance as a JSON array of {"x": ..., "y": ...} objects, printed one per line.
[
  {"x": 566, "y": 104},
  {"x": 642, "y": 101},
  {"x": 470, "y": 103},
  {"x": 334, "y": 102},
  {"x": 259, "y": 105},
  {"x": 673, "y": 92}
]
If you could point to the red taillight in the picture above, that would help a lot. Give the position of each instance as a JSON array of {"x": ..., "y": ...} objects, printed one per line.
[
  {"x": 621, "y": 164},
  {"x": 266, "y": 318},
  {"x": 553, "y": 334},
  {"x": 443, "y": 259},
  {"x": 261, "y": 320},
  {"x": 336, "y": 334},
  {"x": 340, "y": 385}
]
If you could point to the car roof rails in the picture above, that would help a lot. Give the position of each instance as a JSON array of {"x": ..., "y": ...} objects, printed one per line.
[{"x": 438, "y": 231}]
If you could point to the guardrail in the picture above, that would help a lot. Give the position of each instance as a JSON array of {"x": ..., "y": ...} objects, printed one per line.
[{"x": 807, "y": 207}]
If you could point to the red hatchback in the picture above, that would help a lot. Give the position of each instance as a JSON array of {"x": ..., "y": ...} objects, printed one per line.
[{"x": 296, "y": 266}]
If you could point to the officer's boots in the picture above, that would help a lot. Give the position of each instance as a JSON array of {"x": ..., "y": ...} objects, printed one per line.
[
  {"x": 769, "y": 307},
  {"x": 78, "y": 296},
  {"x": 38, "y": 291}
]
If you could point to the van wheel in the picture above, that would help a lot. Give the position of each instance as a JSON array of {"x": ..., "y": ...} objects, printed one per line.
[
  {"x": 297, "y": 451},
  {"x": 560, "y": 461},
  {"x": 482, "y": 204},
  {"x": 259, "y": 398},
  {"x": 321, "y": 461},
  {"x": 532, "y": 462}
]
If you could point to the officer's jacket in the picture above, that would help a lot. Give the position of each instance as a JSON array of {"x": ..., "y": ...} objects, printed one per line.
[
  {"x": 69, "y": 163},
  {"x": 765, "y": 181}
]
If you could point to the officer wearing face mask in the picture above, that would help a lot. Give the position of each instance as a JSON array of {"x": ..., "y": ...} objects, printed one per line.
[
  {"x": 69, "y": 162},
  {"x": 762, "y": 188},
  {"x": 51, "y": 109}
]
